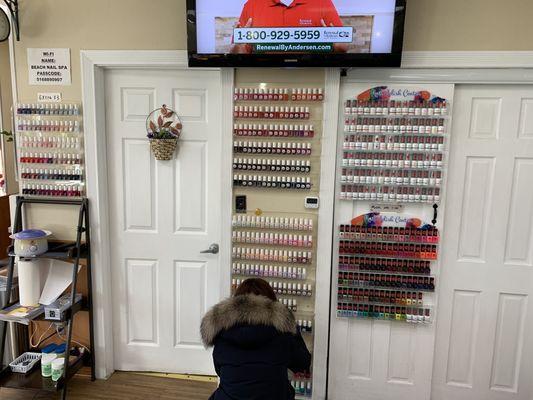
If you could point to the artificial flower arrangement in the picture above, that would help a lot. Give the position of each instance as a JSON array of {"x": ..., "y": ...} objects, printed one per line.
[{"x": 164, "y": 129}]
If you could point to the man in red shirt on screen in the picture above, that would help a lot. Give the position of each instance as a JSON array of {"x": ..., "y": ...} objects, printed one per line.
[{"x": 288, "y": 14}]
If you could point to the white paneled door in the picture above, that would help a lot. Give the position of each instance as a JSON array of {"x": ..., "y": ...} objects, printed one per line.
[
  {"x": 484, "y": 348},
  {"x": 163, "y": 214}
]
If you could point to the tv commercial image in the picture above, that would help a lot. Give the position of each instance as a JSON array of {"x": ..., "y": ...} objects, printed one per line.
[{"x": 275, "y": 29}]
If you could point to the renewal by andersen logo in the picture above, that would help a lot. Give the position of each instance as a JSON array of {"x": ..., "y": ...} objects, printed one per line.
[{"x": 306, "y": 22}]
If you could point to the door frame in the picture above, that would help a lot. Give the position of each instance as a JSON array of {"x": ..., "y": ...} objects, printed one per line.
[
  {"x": 12, "y": 180},
  {"x": 93, "y": 66}
]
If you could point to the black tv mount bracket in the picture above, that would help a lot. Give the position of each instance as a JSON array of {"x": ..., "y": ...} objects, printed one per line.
[{"x": 13, "y": 6}]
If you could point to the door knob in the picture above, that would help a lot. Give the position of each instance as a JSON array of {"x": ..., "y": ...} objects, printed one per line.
[{"x": 213, "y": 249}]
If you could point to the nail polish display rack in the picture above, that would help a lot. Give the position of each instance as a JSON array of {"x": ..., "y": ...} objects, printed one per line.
[
  {"x": 50, "y": 150},
  {"x": 394, "y": 150},
  {"x": 278, "y": 249},
  {"x": 385, "y": 271},
  {"x": 302, "y": 385},
  {"x": 281, "y": 170},
  {"x": 273, "y": 133},
  {"x": 278, "y": 94}
]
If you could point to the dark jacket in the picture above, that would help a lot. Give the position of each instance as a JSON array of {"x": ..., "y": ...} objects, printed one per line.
[{"x": 256, "y": 341}]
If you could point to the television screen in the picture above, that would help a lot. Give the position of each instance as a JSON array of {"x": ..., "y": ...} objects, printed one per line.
[{"x": 269, "y": 33}]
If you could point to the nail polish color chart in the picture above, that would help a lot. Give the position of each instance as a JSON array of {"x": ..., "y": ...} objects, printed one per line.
[
  {"x": 50, "y": 150},
  {"x": 394, "y": 147},
  {"x": 385, "y": 268}
]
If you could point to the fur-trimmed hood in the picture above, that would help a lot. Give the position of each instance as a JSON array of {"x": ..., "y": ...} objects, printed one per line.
[{"x": 246, "y": 310}]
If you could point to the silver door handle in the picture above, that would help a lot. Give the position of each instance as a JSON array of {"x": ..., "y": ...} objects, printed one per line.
[{"x": 213, "y": 249}]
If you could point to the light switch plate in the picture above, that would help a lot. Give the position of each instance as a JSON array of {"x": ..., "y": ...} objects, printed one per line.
[
  {"x": 240, "y": 204},
  {"x": 312, "y": 202}
]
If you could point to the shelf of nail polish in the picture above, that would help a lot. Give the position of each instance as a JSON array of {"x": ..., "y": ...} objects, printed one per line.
[
  {"x": 271, "y": 112},
  {"x": 260, "y": 94},
  {"x": 292, "y": 289},
  {"x": 278, "y": 223},
  {"x": 56, "y": 109},
  {"x": 402, "y": 126},
  {"x": 302, "y": 389},
  {"x": 269, "y": 271},
  {"x": 71, "y": 190},
  {"x": 291, "y": 304},
  {"x": 408, "y": 154},
  {"x": 279, "y": 256},
  {"x": 273, "y": 148},
  {"x": 278, "y": 165},
  {"x": 51, "y": 158},
  {"x": 395, "y": 107},
  {"x": 307, "y": 94},
  {"x": 278, "y": 94},
  {"x": 398, "y": 181},
  {"x": 74, "y": 174},
  {"x": 381, "y": 142},
  {"x": 384, "y": 280},
  {"x": 389, "y": 266},
  {"x": 392, "y": 177},
  {"x": 272, "y": 182},
  {"x": 370, "y": 251},
  {"x": 384, "y": 168},
  {"x": 305, "y": 325},
  {"x": 297, "y": 308},
  {"x": 50, "y": 142},
  {"x": 389, "y": 193},
  {"x": 300, "y": 376},
  {"x": 51, "y": 149},
  {"x": 347, "y": 299},
  {"x": 406, "y": 159},
  {"x": 392, "y": 266},
  {"x": 45, "y": 125},
  {"x": 272, "y": 239},
  {"x": 380, "y": 297},
  {"x": 296, "y": 131},
  {"x": 389, "y": 234},
  {"x": 389, "y": 313}
]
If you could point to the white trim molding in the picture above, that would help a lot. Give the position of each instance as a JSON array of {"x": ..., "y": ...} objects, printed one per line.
[
  {"x": 325, "y": 233},
  {"x": 11, "y": 179},
  {"x": 93, "y": 66},
  {"x": 228, "y": 78},
  {"x": 489, "y": 76},
  {"x": 467, "y": 59}
]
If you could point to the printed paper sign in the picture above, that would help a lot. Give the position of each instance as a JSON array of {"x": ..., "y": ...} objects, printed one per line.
[
  {"x": 49, "y": 66},
  {"x": 49, "y": 97}
]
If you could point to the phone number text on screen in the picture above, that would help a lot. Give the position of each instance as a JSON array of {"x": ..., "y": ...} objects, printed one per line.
[{"x": 293, "y": 35}]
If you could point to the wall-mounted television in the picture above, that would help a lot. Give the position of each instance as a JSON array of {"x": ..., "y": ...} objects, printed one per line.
[{"x": 295, "y": 33}]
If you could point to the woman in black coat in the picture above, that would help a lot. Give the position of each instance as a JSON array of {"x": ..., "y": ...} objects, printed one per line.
[{"x": 255, "y": 341}]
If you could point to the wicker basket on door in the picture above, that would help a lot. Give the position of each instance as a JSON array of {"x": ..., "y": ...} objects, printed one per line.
[
  {"x": 163, "y": 149},
  {"x": 164, "y": 129}
]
